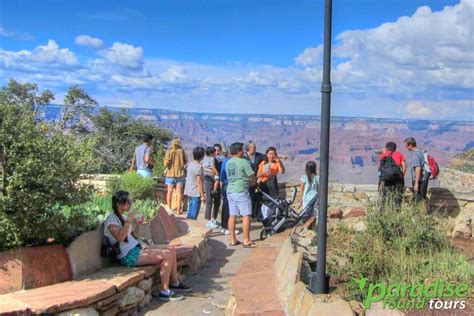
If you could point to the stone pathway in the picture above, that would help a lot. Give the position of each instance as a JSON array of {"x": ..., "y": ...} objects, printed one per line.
[{"x": 211, "y": 286}]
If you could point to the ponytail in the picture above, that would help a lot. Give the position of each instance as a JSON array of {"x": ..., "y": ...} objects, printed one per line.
[{"x": 119, "y": 198}]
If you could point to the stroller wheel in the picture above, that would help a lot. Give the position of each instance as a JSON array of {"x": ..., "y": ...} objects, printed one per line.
[{"x": 267, "y": 231}]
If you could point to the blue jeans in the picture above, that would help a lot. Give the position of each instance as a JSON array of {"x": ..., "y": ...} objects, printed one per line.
[
  {"x": 194, "y": 206},
  {"x": 144, "y": 173}
]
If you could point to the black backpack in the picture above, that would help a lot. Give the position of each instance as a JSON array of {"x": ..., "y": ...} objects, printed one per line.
[{"x": 389, "y": 171}]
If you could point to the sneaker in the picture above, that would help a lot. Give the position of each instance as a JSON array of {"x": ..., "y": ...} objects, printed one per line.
[
  {"x": 223, "y": 230},
  {"x": 215, "y": 221},
  {"x": 212, "y": 225},
  {"x": 208, "y": 224},
  {"x": 180, "y": 288},
  {"x": 173, "y": 296}
]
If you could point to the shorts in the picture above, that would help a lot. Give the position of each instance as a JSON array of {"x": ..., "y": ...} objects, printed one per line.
[
  {"x": 144, "y": 173},
  {"x": 240, "y": 204},
  {"x": 131, "y": 258},
  {"x": 174, "y": 180}
]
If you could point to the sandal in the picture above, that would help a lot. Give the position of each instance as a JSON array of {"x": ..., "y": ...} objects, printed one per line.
[
  {"x": 235, "y": 244},
  {"x": 249, "y": 245}
]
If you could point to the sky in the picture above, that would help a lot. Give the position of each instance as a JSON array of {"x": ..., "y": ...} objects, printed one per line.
[{"x": 395, "y": 58}]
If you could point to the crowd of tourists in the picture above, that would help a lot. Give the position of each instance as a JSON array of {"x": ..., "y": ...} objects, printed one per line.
[{"x": 229, "y": 182}]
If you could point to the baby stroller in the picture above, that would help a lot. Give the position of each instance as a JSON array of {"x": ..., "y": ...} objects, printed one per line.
[{"x": 283, "y": 215}]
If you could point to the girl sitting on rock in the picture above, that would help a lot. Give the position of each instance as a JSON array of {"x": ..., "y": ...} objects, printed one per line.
[{"x": 118, "y": 229}]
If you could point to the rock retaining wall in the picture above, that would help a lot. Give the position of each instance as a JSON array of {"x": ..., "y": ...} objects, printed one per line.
[{"x": 451, "y": 193}]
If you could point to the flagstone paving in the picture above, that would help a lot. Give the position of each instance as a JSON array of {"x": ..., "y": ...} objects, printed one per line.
[{"x": 211, "y": 285}]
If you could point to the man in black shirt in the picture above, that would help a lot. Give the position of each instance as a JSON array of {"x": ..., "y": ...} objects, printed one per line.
[{"x": 255, "y": 159}]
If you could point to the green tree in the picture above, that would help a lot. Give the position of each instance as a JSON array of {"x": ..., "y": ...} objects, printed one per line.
[
  {"x": 116, "y": 135},
  {"x": 40, "y": 168},
  {"x": 76, "y": 111}
]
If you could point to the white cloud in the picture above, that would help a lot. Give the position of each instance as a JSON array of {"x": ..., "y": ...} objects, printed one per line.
[
  {"x": 89, "y": 41},
  {"x": 418, "y": 66},
  {"x": 416, "y": 109},
  {"x": 40, "y": 59},
  {"x": 16, "y": 35},
  {"x": 125, "y": 55}
]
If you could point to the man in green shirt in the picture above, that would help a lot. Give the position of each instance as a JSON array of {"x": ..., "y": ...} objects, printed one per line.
[{"x": 239, "y": 175}]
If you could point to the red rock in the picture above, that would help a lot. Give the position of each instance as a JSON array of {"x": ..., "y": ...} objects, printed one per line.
[
  {"x": 29, "y": 268},
  {"x": 11, "y": 306},
  {"x": 335, "y": 213},
  {"x": 119, "y": 276},
  {"x": 64, "y": 296},
  {"x": 157, "y": 231},
  {"x": 354, "y": 212},
  {"x": 11, "y": 272},
  {"x": 170, "y": 229}
]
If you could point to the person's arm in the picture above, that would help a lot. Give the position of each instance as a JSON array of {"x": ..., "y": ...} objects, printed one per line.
[
  {"x": 201, "y": 188},
  {"x": 148, "y": 157},
  {"x": 121, "y": 233},
  {"x": 260, "y": 170},
  {"x": 185, "y": 157},
  {"x": 250, "y": 173},
  {"x": 167, "y": 160},
  {"x": 302, "y": 193},
  {"x": 404, "y": 168},
  {"x": 282, "y": 166},
  {"x": 223, "y": 175},
  {"x": 417, "y": 178}
]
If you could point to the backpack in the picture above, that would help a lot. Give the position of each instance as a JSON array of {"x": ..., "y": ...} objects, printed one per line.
[
  {"x": 107, "y": 248},
  {"x": 430, "y": 166},
  {"x": 389, "y": 170}
]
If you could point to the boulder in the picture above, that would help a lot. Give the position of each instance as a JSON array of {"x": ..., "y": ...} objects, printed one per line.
[
  {"x": 463, "y": 228},
  {"x": 80, "y": 312},
  {"x": 132, "y": 295},
  {"x": 335, "y": 213},
  {"x": 338, "y": 307},
  {"x": 354, "y": 212},
  {"x": 146, "y": 284},
  {"x": 144, "y": 302}
]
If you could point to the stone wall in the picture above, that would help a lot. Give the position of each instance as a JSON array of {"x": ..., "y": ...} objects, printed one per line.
[{"x": 451, "y": 193}]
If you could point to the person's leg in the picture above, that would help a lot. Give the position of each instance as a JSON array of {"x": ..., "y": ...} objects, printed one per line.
[
  {"x": 246, "y": 226},
  {"x": 169, "y": 193},
  {"x": 253, "y": 199},
  {"x": 225, "y": 209},
  {"x": 193, "y": 208},
  {"x": 233, "y": 212},
  {"x": 160, "y": 257},
  {"x": 208, "y": 186},
  {"x": 179, "y": 197},
  {"x": 245, "y": 209},
  {"x": 233, "y": 239},
  {"x": 217, "y": 203}
]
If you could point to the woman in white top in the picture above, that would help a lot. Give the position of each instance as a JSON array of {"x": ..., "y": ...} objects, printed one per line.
[{"x": 118, "y": 228}]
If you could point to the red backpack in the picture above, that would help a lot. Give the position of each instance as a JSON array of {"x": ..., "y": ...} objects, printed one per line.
[{"x": 430, "y": 166}]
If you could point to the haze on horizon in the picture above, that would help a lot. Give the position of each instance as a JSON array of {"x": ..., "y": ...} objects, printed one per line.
[{"x": 409, "y": 59}]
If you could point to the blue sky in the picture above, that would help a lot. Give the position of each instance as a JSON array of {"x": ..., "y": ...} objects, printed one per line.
[{"x": 395, "y": 58}]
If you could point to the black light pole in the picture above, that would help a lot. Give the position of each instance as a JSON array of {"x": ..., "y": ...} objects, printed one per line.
[{"x": 321, "y": 285}]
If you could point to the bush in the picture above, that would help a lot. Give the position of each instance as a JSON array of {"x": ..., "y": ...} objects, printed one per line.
[
  {"x": 402, "y": 246},
  {"x": 39, "y": 169},
  {"x": 140, "y": 188}
]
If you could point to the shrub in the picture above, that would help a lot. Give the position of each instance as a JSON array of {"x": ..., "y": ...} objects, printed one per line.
[
  {"x": 140, "y": 188},
  {"x": 401, "y": 246},
  {"x": 39, "y": 169}
]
